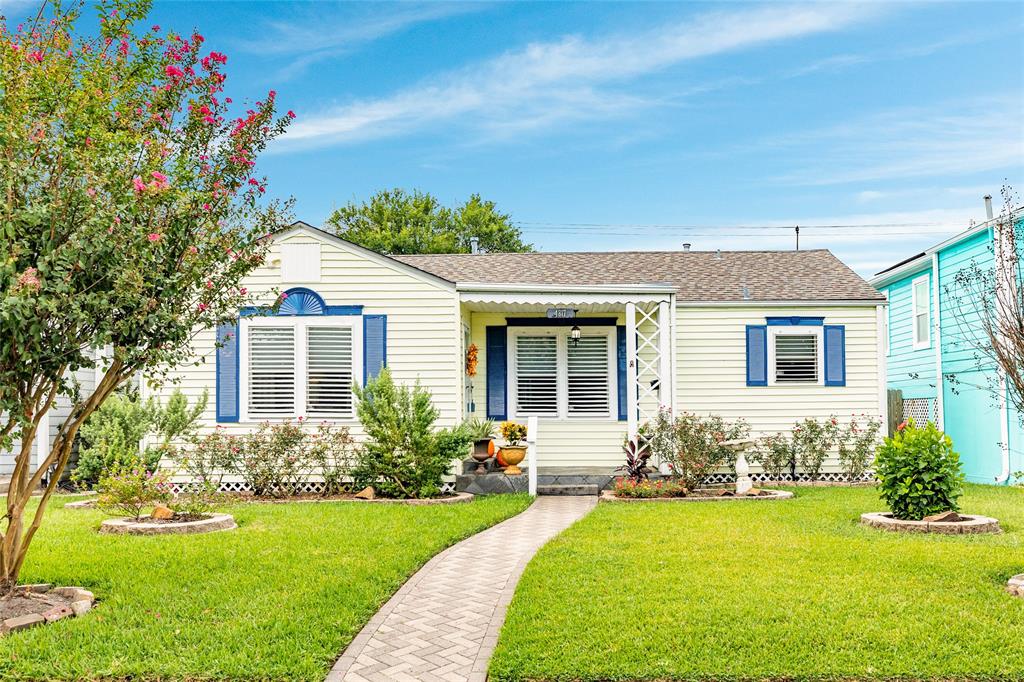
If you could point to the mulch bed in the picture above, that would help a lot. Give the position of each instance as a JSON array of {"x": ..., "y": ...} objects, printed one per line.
[{"x": 704, "y": 495}]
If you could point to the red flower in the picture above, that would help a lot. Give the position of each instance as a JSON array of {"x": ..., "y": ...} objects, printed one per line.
[
  {"x": 173, "y": 71},
  {"x": 902, "y": 425}
]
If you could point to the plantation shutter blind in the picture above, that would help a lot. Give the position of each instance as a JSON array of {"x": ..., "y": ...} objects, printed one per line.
[
  {"x": 329, "y": 371},
  {"x": 587, "y": 373},
  {"x": 537, "y": 375},
  {"x": 796, "y": 358},
  {"x": 271, "y": 371}
]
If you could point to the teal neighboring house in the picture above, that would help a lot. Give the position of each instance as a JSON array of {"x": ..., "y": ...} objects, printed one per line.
[{"x": 931, "y": 354}]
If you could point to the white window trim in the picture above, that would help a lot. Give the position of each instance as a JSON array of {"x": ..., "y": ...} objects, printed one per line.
[
  {"x": 300, "y": 324},
  {"x": 793, "y": 330},
  {"x": 562, "y": 367},
  {"x": 919, "y": 344}
]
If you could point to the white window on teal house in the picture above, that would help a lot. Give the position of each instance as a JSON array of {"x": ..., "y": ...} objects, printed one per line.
[
  {"x": 794, "y": 355},
  {"x": 554, "y": 376},
  {"x": 920, "y": 312},
  {"x": 299, "y": 367}
]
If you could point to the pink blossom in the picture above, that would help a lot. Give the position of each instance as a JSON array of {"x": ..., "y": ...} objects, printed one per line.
[
  {"x": 90, "y": 191},
  {"x": 139, "y": 185},
  {"x": 173, "y": 71},
  {"x": 28, "y": 281},
  {"x": 291, "y": 114},
  {"x": 35, "y": 56},
  {"x": 209, "y": 284},
  {"x": 193, "y": 250},
  {"x": 203, "y": 307},
  {"x": 206, "y": 207},
  {"x": 154, "y": 236}
]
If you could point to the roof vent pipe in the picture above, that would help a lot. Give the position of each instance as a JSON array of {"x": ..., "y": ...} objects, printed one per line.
[
  {"x": 474, "y": 244},
  {"x": 718, "y": 254},
  {"x": 988, "y": 207},
  {"x": 686, "y": 246}
]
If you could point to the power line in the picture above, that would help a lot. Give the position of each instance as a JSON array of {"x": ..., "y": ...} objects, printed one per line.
[{"x": 712, "y": 226}]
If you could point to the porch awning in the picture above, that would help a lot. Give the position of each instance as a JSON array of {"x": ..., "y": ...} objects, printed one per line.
[{"x": 513, "y": 297}]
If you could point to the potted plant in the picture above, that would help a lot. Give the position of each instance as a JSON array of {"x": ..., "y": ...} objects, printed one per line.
[
  {"x": 481, "y": 432},
  {"x": 514, "y": 449}
]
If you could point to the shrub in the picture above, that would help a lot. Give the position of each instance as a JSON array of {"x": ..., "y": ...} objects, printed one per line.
[
  {"x": 198, "y": 499},
  {"x": 131, "y": 488},
  {"x": 811, "y": 443},
  {"x": 637, "y": 458},
  {"x": 329, "y": 454},
  {"x": 209, "y": 457},
  {"x": 402, "y": 456},
  {"x": 857, "y": 444},
  {"x": 270, "y": 460},
  {"x": 625, "y": 487},
  {"x": 918, "y": 472},
  {"x": 691, "y": 445},
  {"x": 112, "y": 434},
  {"x": 775, "y": 455},
  {"x": 110, "y": 440}
]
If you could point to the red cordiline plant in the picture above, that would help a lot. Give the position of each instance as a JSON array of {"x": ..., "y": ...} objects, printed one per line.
[{"x": 129, "y": 214}]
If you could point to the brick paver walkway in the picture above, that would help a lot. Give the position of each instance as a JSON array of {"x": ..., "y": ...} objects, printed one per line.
[{"x": 443, "y": 624}]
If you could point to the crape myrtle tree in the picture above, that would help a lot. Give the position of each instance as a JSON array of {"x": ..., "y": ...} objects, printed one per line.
[
  {"x": 129, "y": 214},
  {"x": 987, "y": 307}
]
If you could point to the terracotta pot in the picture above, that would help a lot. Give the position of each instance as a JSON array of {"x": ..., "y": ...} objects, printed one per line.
[{"x": 513, "y": 455}]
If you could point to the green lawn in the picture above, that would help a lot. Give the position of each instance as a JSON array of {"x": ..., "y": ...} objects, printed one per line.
[
  {"x": 278, "y": 598},
  {"x": 768, "y": 590}
]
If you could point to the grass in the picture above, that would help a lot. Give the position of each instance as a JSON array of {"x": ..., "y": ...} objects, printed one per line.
[
  {"x": 279, "y": 598},
  {"x": 769, "y": 590}
]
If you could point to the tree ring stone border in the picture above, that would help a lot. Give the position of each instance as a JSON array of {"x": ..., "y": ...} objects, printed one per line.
[
  {"x": 1015, "y": 585},
  {"x": 610, "y": 496},
  {"x": 146, "y": 527},
  {"x": 972, "y": 524}
]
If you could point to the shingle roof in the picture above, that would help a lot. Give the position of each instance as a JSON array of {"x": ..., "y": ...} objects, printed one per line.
[{"x": 814, "y": 275}]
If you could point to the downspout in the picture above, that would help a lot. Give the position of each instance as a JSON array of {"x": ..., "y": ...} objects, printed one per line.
[{"x": 1004, "y": 411}]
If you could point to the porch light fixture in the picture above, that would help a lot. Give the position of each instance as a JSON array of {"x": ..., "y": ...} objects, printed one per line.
[{"x": 574, "y": 334}]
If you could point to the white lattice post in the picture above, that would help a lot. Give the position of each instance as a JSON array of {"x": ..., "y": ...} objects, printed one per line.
[
  {"x": 531, "y": 454},
  {"x": 631, "y": 370},
  {"x": 665, "y": 378}
]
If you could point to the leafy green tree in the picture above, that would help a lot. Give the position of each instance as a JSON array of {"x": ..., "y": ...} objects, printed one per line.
[
  {"x": 129, "y": 214},
  {"x": 396, "y": 222}
]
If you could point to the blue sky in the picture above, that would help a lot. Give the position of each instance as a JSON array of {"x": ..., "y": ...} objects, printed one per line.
[{"x": 594, "y": 123}]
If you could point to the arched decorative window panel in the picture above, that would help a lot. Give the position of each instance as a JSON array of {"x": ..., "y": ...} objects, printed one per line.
[{"x": 301, "y": 301}]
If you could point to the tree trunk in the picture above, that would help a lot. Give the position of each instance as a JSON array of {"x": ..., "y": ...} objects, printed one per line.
[{"x": 16, "y": 538}]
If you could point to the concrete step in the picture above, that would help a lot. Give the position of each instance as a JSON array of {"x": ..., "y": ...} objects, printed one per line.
[{"x": 577, "y": 489}]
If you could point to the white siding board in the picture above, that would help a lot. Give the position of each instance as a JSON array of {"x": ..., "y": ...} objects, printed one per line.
[{"x": 711, "y": 379}]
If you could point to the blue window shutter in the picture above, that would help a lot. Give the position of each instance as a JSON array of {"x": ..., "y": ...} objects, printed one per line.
[
  {"x": 497, "y": 372},
  {"x": 375, "y": 345},
  {"x": 835, "y": 355},
  {"x": 757, "y": 355},
  {"x": 227, "y": 372},
  {"x": 620, "y": 364}
]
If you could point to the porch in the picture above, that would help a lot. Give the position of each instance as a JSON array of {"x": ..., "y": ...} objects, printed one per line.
[{"x": 583, "y": 367}]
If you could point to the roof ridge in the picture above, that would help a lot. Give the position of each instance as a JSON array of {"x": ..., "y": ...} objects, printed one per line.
[{"x": 606, "y": 253}]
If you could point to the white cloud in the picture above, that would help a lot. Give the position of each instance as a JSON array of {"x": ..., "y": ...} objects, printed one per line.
[
  {"x": 317, "y": 36},
  {"x": 958, "y": 138},
  {"x": 569, "y": 79}
]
